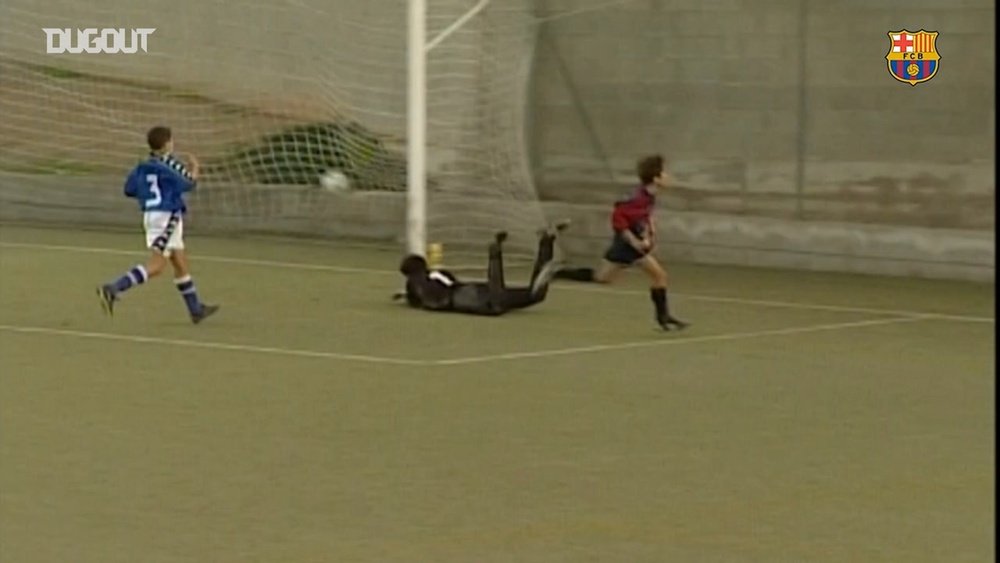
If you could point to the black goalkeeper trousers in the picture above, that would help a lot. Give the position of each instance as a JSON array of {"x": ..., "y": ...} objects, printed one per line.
[{"x": 493, "y": 297}]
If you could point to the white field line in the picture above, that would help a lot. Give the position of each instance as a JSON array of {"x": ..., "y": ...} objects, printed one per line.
[
  {"x": 666, "y": 341},
  {"x": 671, "y": 341},
  {"x": 199, "y": 258},
  {"x": 210, "y": 345},
  {"x": 561, "y": 287}
]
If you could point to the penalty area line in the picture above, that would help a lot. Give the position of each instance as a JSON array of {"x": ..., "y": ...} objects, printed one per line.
[
  {"x": 580, "y": 350},
  {"x": 202, "y": 258},
  {"x": 671, "y": 342},
  {"x": 211, "y": 345}
]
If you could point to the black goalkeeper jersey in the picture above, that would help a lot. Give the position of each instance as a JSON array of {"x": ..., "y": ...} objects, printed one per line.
[{"x": 432, "y": 289}]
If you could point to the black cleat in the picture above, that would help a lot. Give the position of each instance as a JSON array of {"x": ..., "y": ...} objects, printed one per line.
[
  {"x": 671, "y": 323},
  {"x": 500, "y": 237},
  {"x": 107, "y": 295},
  {"x": 206, "y": 311},
  {"x": 677, "y": 323}
]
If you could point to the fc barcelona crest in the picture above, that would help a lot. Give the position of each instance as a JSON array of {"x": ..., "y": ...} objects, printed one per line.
[{"x": 913, "y": 56}]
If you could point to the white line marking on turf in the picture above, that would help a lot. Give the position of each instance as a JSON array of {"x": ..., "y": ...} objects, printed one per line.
[
  {"x": 201, "y": 258},
  {"x": 839, "y": 308},
  {"x": 794, "y": 305},
  {"x": 212, "y": 345},
  {"x": 561, "y": 287},
  {"x": 667, "y": 341},
  {"x": 671, "y": 341}
]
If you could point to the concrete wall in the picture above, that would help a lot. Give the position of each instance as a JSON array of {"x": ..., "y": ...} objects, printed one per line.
[
  {"x": 782, "y": 109},
  {"x": 693, "y": 236},
  {"x": 272, "y": 55},
  {"x": 791, "y": 144}
]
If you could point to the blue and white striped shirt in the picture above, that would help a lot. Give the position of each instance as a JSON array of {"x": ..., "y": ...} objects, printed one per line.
[{"x": 159, "y": 184}]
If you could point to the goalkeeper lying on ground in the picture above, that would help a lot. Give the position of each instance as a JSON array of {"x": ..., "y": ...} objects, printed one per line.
[{"x": 439, "y": 290}]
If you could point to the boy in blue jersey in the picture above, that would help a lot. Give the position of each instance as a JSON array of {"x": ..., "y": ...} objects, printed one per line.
[
  {"x": 158, "y": 185},
  {"x": 634, "y": 240}
]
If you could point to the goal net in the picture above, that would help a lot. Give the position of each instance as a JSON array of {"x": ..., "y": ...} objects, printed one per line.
[{"x": 272, "y": 96}]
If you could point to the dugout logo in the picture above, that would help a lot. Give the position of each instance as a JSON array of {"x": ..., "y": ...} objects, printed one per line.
[
  {"x": 913, "y": 56},
  {"x": 92, "y": 40}
]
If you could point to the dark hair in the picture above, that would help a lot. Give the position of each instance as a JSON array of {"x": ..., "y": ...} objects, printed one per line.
[
  {"x": 649, "y": 167},
  {"x": 413, "y": 264},
  {"x": 158, "y": 137}
]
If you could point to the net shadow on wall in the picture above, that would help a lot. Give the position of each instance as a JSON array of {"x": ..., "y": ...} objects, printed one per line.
[{"x": 300, "y": 154}]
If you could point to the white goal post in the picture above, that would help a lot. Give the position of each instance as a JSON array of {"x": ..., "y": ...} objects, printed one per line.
[{"x": 416, "y": 138}]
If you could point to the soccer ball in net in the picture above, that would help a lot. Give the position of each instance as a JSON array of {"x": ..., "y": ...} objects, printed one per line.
[{"x": 334, "y": 181}]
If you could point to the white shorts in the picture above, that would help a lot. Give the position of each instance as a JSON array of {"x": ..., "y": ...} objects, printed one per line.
[{"x": 156, "y": 223}]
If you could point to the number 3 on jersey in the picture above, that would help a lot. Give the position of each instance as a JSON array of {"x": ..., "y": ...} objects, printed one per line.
[{"x": 154, "y": 189}]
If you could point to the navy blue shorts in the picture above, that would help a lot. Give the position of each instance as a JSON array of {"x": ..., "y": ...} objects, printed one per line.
[{"x": 621, "y": 252}]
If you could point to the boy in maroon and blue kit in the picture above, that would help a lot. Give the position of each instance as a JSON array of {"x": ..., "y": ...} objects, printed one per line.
[{"x": 633, "y": 242}]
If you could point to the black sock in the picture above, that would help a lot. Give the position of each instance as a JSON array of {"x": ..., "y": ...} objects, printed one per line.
[
  {"x": 576, "y": 274},
  {"x": 659, "y": 297}
]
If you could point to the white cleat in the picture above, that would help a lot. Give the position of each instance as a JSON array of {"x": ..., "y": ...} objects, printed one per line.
[
  {"x": 555, "y": 228},
  {"x": 544, "y": 276}
]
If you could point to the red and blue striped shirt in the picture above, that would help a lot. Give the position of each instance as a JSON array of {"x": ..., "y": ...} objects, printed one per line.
[{"x": 632, "y": 213}]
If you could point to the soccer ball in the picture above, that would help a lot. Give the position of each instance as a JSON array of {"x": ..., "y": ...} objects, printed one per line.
[{"x": 334, "y": 181}]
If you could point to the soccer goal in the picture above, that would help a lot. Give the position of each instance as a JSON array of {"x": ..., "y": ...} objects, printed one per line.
[{"x": 398, "y": 120}]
